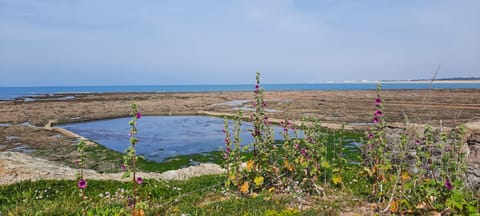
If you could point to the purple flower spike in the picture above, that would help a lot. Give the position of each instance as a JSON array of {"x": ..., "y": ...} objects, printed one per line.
[
  {"x": 448, "y": 184},
  {"x": 139, "y": 180},
  {"x": 82, "y": 184},
  {"x": 378, "y": 113},
  {"x": 303, "y": 152},
  {"x": 378, "y": 101},
  {"x": 138, "y": 115}
]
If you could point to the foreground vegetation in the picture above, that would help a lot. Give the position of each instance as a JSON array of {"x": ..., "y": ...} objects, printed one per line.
[
  {"x": 198, "y": 196},
  {"x": 316, "y": 171}
]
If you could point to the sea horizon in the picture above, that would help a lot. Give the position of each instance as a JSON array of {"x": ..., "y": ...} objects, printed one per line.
[{"x": 11, "y": 92}]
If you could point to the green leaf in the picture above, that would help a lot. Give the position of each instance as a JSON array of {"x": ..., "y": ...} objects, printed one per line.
[{"x": 126, "y": 174}]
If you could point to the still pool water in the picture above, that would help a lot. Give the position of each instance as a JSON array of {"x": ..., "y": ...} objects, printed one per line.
[{"x": 161, "y": 137}]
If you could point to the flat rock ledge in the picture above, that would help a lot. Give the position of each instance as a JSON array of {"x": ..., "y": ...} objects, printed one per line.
[{"x": 16, "y": 167}]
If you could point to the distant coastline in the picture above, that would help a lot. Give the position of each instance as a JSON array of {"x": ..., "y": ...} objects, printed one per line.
[
  {"x": 434, "y": 81},
  {"x": 438, "y": 80}
]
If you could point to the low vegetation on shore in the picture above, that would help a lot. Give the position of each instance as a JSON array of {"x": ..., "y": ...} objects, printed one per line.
[{"x": 409, "y": 171}]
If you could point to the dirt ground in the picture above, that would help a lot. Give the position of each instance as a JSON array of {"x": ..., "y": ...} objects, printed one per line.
[{"x": 351, "y": 107}]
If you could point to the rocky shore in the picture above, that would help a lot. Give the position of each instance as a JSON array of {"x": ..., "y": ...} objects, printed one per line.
[{"x": 23, "y": 121}]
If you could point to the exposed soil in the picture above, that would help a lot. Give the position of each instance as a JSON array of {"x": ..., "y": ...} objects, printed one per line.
[{"x": 354, "y": 107}]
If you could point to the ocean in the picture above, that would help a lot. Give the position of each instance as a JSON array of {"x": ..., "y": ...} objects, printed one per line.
[{"x": 9, "y": 93}]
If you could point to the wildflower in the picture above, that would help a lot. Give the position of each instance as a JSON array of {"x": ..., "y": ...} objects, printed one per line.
[
  {"x": 378, "y": 113},
  {"x": 417, "y": 142},
  {"x": 82, "y": 184},
  {"x": 303, "y": 152},
  {"x": 378, "y": 101},
  {"x": 337, "y": 179},
  {"x": 77, "y": 161},
  {"x": 376, "y": 120},
  {"x": 405, "y": 175},
  {"x": 256, "y": 86},
  {"x": 370, "y": 136},
  {"x": 448, "y": 184},
  {"x": 138, "y": 115},
  {"x": 139, "y": 180},
  {"x": 123, "y": 166},
  {"x": 288, "y": 165},
  {"x": 244, "y": 187},
  {"x": 258, "y": 180}
]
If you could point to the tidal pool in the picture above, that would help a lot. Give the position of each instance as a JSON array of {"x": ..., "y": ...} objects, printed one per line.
[{"x": 161, "y": 137}]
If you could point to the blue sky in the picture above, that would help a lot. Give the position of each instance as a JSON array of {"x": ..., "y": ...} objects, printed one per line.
[{"x": 119, "y": 42}]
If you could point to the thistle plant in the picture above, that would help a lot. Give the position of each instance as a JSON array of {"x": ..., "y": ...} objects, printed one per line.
[{"x": 131, "y": 158}]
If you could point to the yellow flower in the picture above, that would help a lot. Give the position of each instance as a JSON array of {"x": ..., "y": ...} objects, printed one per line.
[
  {"x": 139, "y": 212},
  {"x": 244, "y": 187},
  {"x": 288, "y": 165},
  {"x": 249, "y": 165},
  {"x": 404, "y": 175},
  {"x": 271, "y": 189},
  {"x": 337, "y": 180},
  {"x": 258, "y": 180}
]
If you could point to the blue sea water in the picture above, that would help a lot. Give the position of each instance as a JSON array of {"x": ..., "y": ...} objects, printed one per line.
[{"x": 8, "y": 93}]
